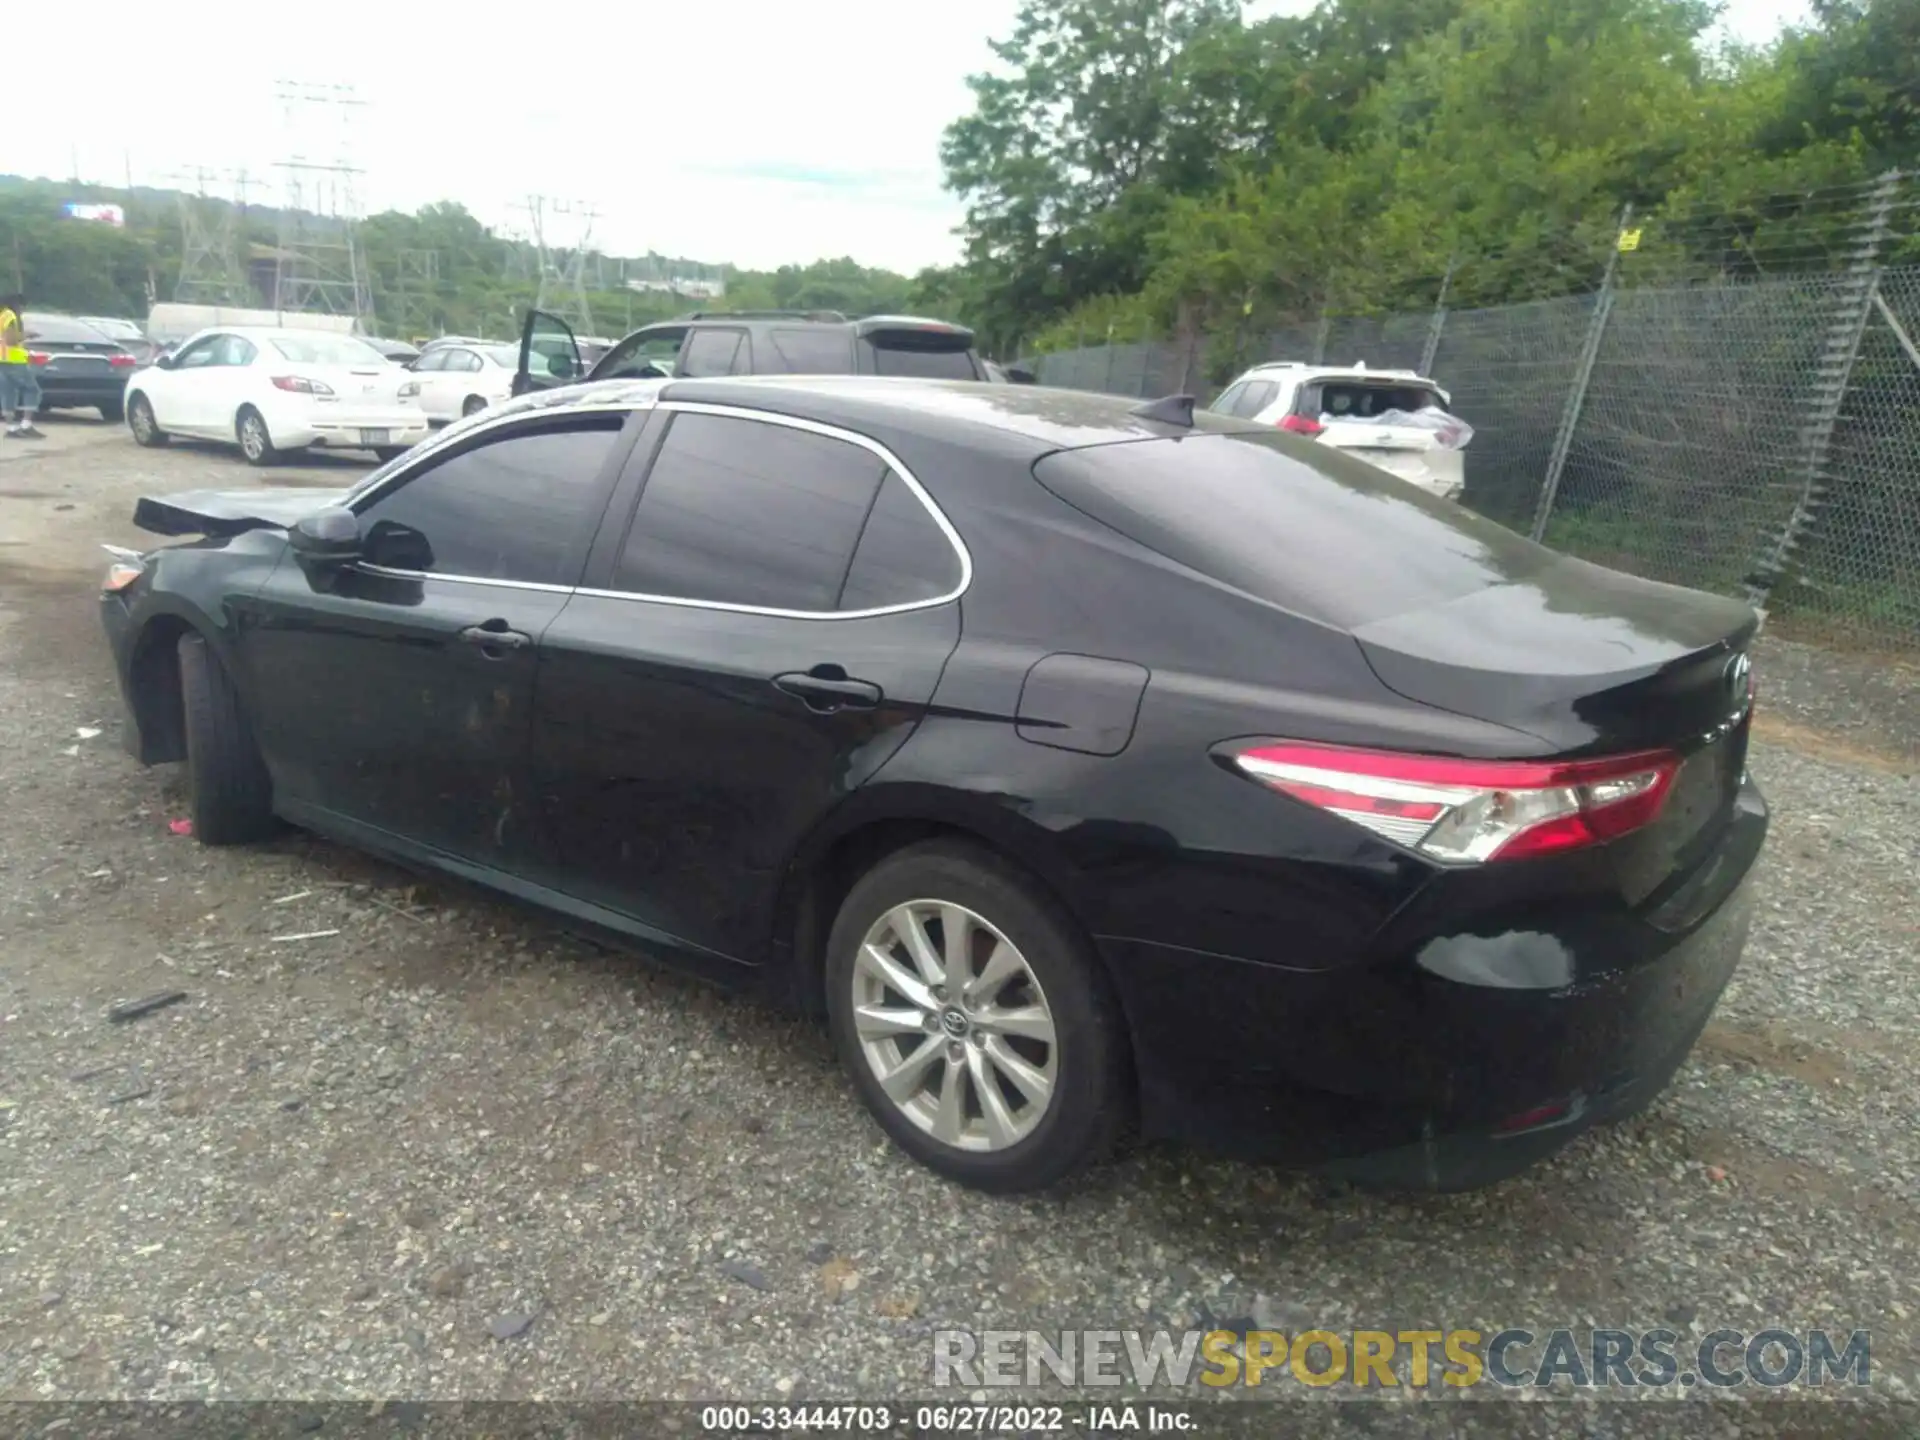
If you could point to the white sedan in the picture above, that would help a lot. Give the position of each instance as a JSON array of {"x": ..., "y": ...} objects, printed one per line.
[
  {"x": 450, "y": 381},
  {"x": 271, "y": 390}
]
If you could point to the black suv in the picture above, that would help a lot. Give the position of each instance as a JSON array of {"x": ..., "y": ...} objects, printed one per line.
[{"x": 754, "y": 342}]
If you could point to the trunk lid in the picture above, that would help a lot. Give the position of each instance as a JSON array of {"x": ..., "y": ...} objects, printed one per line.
[
  {"x": 1588, "y": 659},
  {"x": 230, "y": 512}
]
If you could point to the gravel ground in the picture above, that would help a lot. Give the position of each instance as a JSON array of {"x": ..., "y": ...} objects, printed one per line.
[{"x": 440, "y": 1150}]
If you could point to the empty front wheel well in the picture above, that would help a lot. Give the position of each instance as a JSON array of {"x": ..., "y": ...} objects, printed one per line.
[
  {"x": 153, "y": 686},
  {"x": 820, "y": 892}
]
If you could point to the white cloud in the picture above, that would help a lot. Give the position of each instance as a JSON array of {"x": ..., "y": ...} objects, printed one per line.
[{"x": 759, "y": 131}]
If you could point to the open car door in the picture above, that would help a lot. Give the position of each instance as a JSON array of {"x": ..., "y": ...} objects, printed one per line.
[{"x": 549, "y": 355}]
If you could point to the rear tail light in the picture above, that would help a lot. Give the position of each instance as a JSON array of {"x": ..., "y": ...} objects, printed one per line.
[
  {"x": 38, "y": 357},
  {"x": 1470, "y": 811},
  {"x": 1301, "y": 425},
  {"x": 122, "y": 362},
  {"x": 300, "y": 385}
]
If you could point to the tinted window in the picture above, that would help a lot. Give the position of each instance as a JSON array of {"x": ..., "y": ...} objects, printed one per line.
[
  {"x": 903, "y": 556},
  {"x": 709, "y": 352},
  {"x": 749, "y": 514},
  {"x": 1293, "y": 522},
  {"x": 926, "y": 364},
  {"x": 814, "y": 352},
  {"x": 1363, "y": 400},
  {"x": 523, "y": 507},
  {"x": 633, "y": 354}
]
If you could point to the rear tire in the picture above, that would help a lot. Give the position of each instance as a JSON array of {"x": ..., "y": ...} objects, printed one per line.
[
  {"x": 114, "y": 411},
  {"x": 232, "y": 794},
  {"x": 250, "y": 428},
  {"x": 972, "y": 1038},
  {"x": 472, "y": 405},
  {"x": 146, "y": 431}
]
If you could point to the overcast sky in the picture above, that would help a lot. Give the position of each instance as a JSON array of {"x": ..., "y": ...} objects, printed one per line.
[{"x": 755, "y": 131}]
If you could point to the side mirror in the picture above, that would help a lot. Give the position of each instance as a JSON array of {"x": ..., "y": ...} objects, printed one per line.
[
  {"x": 164, "y": 360},
  {"x": 1021, "y": 375},
  {"x": 326, "y": 539}
]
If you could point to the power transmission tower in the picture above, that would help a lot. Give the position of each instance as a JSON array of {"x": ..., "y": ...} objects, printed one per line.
[
  {"x": 415, "y": 297},
  {"x": 212, "y": 243},
  {"x": 319, "y": 267},
  {"x": 561, "y": 280}
]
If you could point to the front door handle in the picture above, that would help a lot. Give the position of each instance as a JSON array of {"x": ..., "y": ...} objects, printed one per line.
[
  {"x": 494, "y": 639},
  {"x": 827, "y": 688}
]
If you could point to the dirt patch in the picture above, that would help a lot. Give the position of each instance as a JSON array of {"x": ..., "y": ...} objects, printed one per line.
[
  {"x": 1774, "y": 1048},
  {"x": 1823, "y": 745}
]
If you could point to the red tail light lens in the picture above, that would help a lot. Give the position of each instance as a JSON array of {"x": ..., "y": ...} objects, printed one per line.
[
  {"x": 38, "y": 357},
  {"x": 300, "y": 385},
  {"x": 1471, "y": 811},
  {"x": 1301, "y": 425},
  {"x": 122, "y": 362}
]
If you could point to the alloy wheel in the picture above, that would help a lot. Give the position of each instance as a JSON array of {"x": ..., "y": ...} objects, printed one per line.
[
  {"x": 954, "y": 1025},
  {"x": 253, "y": 437},
  {"x": 142, "y": 417}
]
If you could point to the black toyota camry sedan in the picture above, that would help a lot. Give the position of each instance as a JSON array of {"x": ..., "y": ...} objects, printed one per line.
[{"x": 1089, "y": 765}]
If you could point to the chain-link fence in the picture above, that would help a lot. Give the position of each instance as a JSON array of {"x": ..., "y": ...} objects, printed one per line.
[{"x": 1752, "y": 432}]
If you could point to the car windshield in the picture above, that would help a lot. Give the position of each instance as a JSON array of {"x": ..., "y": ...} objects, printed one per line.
[{"x": 326, "y": 350}]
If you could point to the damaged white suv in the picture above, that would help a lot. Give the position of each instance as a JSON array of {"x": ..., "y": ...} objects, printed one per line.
[{"x": 1398, "y": 420}]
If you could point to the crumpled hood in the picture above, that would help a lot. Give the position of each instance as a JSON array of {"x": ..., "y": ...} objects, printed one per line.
[{"x": 230, "y": 512}]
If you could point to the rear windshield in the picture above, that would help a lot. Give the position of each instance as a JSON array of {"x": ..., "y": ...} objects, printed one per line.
[
  {"x": 1364, "y": 399},
  {"x": 63, "y": 330},
  {"x": 326, "y": 350},
  {"x": 898, "y": 355},
  {"x": 116, "y": 329},
  {"x": 1292, "y": 522}
]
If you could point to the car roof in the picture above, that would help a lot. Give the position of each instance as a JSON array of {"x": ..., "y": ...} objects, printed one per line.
[{"x": 1035, "y": 418}]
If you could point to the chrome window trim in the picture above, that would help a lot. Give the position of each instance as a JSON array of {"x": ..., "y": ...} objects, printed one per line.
[
  {"x": 731, "y": 412},
  {"x": 831, "y": 432},
  {"x": 429, "y": 448}
]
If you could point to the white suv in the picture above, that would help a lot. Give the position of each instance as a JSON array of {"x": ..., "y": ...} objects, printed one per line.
[{"x": 1398, "y": 420}]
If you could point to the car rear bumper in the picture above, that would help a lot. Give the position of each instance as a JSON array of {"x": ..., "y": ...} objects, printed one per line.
[
  {"x": 1450, "y": 1065},
  {"x": 59, "y": 390},
  {"x": 363, "y": 430}
]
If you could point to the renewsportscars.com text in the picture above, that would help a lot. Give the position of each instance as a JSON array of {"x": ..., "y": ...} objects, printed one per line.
[{"x": 1581, "y": 1358}]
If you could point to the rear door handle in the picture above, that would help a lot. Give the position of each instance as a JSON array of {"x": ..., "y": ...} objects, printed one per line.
[
  {"x": 493, "y": 642},
  {"x": 827, "y": 692}
]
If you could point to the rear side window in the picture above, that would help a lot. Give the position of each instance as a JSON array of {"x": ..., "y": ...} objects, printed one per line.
[
  {"x": 903, "y": 557},
  {"x": 743, "y": 512},
  {"x": 1364, "y": 399},
  {"x": 814, "y": 352},
  {"x": 892, "y": 358},
  {"x": 1317, "y": 533},
  {"x": 710, "y": 352},
  {"x": 1224, "y": 402}
]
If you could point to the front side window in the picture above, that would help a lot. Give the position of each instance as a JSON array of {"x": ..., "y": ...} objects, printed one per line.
[
  {"x": 200, "y": 354},
  {"x": 745, "y": 512},
  {"x": 521, "y": 507}
]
